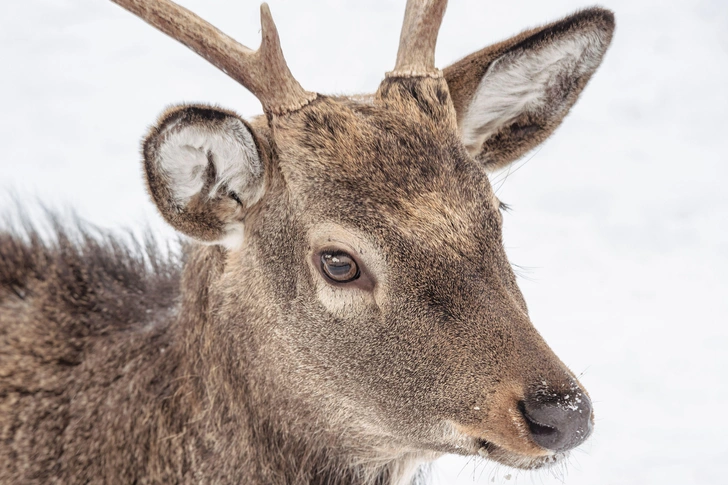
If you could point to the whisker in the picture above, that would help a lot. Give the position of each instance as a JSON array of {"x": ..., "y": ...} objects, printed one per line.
[
  {"x": 510, "y": 172},
  {"x": 583, "y": 372},
  {"x": 524, "y": 272}
]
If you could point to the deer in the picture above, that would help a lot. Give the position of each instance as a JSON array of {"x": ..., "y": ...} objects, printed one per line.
[{"x": 341, "y": 309}]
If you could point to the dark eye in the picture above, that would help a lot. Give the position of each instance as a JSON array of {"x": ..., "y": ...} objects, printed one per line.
[{"x": 339, "y": 267}]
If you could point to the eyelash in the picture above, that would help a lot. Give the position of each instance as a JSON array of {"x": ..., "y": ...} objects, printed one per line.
[{"x": 504, "y": 207}]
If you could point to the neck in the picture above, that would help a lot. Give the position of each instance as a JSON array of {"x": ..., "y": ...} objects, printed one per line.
[{"x": 235, "y": 433}]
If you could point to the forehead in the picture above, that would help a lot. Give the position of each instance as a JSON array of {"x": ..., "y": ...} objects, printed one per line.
[{"x": 386, "y": 171}]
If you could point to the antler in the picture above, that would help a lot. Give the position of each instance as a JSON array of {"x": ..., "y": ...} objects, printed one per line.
[
  {"x": 416, "y": 54},
  {"x": 264, "y": 72}
]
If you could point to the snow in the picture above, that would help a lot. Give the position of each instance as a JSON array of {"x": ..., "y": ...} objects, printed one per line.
[{"x": 619, "y": 221}]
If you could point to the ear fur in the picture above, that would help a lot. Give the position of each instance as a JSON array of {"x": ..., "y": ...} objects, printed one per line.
[
  {"x": 511, "y": 96},
  {"x": 204, "y": 167}
]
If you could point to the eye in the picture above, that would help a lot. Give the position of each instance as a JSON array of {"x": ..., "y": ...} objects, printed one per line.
[{"x": 339, "y": 267}]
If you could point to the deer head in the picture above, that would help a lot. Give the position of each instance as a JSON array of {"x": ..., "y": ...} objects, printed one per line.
[{"x": 364, "y": 282}]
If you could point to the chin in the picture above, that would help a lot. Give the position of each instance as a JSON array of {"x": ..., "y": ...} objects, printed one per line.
[{"x": 500, "y": 455}]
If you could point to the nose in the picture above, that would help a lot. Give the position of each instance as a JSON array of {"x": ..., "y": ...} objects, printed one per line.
[{"x": 558, "y": 421}]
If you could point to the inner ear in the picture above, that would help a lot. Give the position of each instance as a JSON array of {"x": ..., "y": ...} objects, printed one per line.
[
  {"x": 204, "y": 169},
  {"x": 511, "y": 96}
]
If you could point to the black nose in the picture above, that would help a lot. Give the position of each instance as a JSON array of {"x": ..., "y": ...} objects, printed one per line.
[{"x": 558, "y": 422}]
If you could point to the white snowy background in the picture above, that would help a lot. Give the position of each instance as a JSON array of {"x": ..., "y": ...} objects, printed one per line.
[{"x": 620, "y": 220}]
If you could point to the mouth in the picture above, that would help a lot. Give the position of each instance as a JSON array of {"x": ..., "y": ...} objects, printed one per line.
[{"x": 491, "y": 451}]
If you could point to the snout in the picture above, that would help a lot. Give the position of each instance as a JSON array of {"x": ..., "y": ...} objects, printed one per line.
[
  {"x": 558, "y": 421},
  {"x": 534, "y": 426}
]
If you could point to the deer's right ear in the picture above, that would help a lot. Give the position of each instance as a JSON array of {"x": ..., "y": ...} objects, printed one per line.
[{"x": 204, "y": 168}]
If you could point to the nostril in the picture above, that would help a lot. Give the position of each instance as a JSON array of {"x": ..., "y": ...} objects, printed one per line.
[{"x": 536, "y": 429}]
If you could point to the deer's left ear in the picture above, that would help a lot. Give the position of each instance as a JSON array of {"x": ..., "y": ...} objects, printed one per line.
[{"x": 511, "y": 96}]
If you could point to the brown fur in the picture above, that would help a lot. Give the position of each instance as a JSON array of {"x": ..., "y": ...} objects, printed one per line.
[{"x": 242, "y": 364}]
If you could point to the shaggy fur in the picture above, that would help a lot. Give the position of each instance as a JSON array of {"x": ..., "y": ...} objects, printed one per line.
[{"x": 83, "y": 321}]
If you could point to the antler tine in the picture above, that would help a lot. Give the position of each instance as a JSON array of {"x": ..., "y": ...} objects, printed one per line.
[
  {"x": 264, "y": 72},
  {"x": 416, "y": 54}
]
